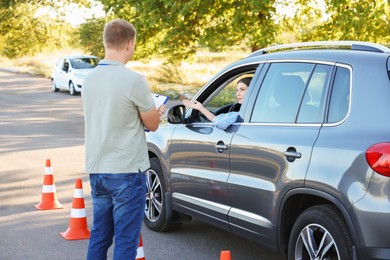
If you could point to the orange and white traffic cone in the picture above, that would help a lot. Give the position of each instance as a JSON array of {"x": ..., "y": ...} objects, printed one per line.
[
  {"x": 78, "y": 228},
  {"x": 140, "y": 250},
  {"x": 225, "y": 255},
  {"x": 49, "y": 197}
]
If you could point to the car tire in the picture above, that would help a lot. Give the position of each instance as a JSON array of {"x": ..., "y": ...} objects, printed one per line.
[
  {"x": 155, "y": 216},
  {"x": 54, "y": 86},
  {"x": 72, "y": 91},
  {"x": 320, "y": 233}
]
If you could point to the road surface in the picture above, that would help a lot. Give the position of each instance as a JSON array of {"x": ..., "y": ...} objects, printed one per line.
[{"x": 37, "y": 124}]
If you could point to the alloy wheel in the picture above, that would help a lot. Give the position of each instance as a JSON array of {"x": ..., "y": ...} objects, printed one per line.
[
  {"x": 153, "y": 196},
  {"x": 315, "y": 243}
]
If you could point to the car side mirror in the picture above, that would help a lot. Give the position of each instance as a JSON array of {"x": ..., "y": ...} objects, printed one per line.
[{"x": 175, "y": 114}]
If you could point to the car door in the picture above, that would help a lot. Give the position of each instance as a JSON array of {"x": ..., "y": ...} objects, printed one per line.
[
  {"x": 68, "y": 72},
  {"x": 62, "y": 74},
  {"x": 270, "y": 152},
  {"x": 58, "y": 73},
  {"x": 199, "y": 154}
]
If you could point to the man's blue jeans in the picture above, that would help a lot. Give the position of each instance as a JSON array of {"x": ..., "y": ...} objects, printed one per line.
[{"x": 118, "y": 202}]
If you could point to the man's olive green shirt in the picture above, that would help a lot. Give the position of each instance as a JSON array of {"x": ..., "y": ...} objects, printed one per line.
[{"x": 115, "y": 139}]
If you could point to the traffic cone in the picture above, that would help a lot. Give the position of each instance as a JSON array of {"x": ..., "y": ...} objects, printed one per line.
[
  {"x": 78, "y": 228},
  {"x": 140, "y": 250},
  {"x": 225, "y": 255},
  {"x": 49, "y": 197}
]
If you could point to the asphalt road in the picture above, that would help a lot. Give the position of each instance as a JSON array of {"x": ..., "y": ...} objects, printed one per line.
[{"x": 37, "y": 124}]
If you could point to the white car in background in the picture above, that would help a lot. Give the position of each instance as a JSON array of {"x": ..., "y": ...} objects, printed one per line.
[{"x": 69, "y": 72}]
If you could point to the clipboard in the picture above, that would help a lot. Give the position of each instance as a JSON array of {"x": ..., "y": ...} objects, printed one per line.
[{"x": 159, "y": 99}]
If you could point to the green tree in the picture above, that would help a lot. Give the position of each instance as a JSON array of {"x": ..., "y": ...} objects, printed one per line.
[
  {"x": 363, "y": 20},
  {"x": 22, "y": 32},
  {"x": 9, "y": 3},
  {"x": 176, "y": 29},
  {"x": 91, "y": 36},
  {"x": 302, "y": 18}
]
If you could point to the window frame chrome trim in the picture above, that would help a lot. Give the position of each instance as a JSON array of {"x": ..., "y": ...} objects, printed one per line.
[{"x": 334, "y": 64}]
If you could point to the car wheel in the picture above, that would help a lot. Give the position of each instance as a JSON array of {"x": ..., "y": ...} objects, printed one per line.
[
  {"x": 155, "y": 210},
  {"x": 320, "y": 233},
  {"x": 54, "y": 86},
  {"x": 72, "y": 91}
]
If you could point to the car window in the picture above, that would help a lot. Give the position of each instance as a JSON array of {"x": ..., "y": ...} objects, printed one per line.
[
  {"x": 292, "y": 93},
  {"x": 84, "y": 63},
  {"x": 220, "y": 95},
  {"x": 312, "y": 108},
  {"x": 225, "y": 96},
  {"x": 339, "y": 100},
  {"x": 66, "y": 66}
]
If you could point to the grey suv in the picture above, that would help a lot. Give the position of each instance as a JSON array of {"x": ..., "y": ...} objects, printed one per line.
[{"x": 307, "y": 169}]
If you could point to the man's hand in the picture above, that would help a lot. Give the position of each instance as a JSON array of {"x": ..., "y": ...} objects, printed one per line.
[{"x": 162, "y": 109}]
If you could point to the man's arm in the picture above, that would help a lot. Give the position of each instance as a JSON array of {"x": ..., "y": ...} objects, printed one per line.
[{"x": 151, "y": 118}]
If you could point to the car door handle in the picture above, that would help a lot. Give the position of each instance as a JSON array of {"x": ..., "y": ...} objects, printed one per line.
[
  {"x": 221, "y": 146},
  {"x": 291, "y": 154}
]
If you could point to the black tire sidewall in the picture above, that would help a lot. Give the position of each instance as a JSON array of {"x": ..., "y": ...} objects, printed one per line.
[{"x": 329, "y": 219}]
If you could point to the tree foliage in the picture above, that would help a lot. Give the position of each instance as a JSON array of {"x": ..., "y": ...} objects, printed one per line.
[
  {"x": 176, "y": 29},
  {"x": 91, "y": 36},
  {"x": 10, "y": 3},
  {"x": 363, "y": 20},
  {"x": 22, "y": 32}
]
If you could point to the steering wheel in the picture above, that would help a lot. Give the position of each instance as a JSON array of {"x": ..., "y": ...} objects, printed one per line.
[
  {"x": 235, "y": 107},
  {"x": 224, "y": 109}
]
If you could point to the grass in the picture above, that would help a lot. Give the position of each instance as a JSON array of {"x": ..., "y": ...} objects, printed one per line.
[{"x": 166, "y": 79}]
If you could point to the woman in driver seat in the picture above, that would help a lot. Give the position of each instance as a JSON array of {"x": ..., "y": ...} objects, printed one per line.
[{"x": 222, "y": 121}]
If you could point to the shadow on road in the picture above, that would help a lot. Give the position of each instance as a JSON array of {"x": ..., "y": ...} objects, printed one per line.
[{"x": 32, "y": 116}]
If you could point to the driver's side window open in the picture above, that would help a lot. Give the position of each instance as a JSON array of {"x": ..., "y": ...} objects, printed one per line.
[
  {"x": 221, "y": 96},
  {"x": 225, "y": 98}
]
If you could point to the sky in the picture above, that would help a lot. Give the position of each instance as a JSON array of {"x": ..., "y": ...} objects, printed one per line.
[
  {"x": 74, "y": 14},
  {"x": 77, "y": 15}
]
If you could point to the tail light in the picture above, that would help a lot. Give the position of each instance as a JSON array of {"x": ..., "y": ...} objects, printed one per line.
[{"x": 378, "y": 157}]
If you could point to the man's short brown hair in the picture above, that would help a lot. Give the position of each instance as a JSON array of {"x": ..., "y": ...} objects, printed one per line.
[{"x": 117, "y": 33}]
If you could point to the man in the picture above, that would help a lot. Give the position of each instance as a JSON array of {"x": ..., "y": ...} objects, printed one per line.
[{"x": 118, "y": 106}]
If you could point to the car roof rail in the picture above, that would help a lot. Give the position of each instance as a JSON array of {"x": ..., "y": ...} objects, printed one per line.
[{"x": 354, "y": 45}]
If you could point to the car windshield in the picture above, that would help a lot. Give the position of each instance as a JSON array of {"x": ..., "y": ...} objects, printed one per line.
[{"x": 84, "y": 63}]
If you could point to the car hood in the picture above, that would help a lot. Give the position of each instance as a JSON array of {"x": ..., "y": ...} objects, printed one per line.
[{"x": 81, "y": 71}]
